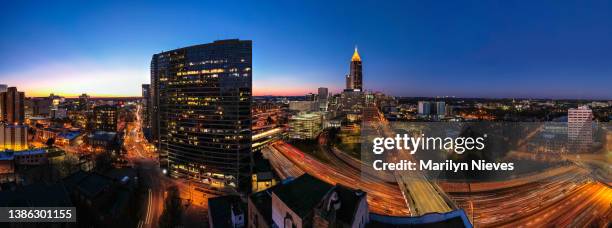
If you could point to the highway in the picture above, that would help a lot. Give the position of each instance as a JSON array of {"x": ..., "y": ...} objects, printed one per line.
[
  {"x": 498, "y": 207},
  {"x": 586, "y": 205},
  {"x": 283, "y": 166},
  {"x": 422, "y": 195},
  {"x": 382, "y": 198}
]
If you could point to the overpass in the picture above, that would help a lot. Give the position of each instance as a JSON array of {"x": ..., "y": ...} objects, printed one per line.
[
  {"x": 422, "y": 195},
  {"x": 264, "y": 138}
]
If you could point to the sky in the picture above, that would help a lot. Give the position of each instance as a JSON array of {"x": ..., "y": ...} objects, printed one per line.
[{"x": 514, "y": 49}]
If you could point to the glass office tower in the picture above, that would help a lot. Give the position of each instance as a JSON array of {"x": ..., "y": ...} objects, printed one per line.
[{"x": 201, "y": 112}]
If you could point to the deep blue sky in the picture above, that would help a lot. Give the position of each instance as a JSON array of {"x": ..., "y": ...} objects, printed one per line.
[{"x": 551, "y": 49}]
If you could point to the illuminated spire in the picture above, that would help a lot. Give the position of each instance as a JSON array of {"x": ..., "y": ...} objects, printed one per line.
[{"x": 356, "y": 57}]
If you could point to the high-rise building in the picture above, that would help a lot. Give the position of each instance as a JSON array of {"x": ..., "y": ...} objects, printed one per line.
[
  {"x": 580, "y": 128},
  {"x": 105, "y": 118},
  {"x": 3, "y": 88},
  {"x": 356, "y": 73},
  {"x": 349, "y": 83},
  {"x": 323, "y": 93},
  {"x": 323, "y": 96},
  {"x": 154, "y": 106},
  {"x": 441, "y": 109},
  {"x": 424, "y": 108},
  {"x": 13, "y": 137},
  {"x": 146, "y": 99},
  {"x": 311, "y": 97},
  {"x": 12, "y": 106},
  {"x": 201, "y": 111},
  {"x": 13, "y": 134}
]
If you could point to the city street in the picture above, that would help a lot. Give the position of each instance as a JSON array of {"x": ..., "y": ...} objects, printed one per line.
[
  {"x": 153, "y": 203},
  {"x": 142, "y": 155},
  {"x": 143, "y": 158}
]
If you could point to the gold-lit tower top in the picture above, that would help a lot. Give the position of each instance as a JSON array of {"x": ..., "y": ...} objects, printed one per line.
[{"x": 356, "y": 57}]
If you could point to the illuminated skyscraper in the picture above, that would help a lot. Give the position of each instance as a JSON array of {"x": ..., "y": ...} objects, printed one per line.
[
  {"x": 355, "y": 74},
  {"x": 201, "y": 111}
]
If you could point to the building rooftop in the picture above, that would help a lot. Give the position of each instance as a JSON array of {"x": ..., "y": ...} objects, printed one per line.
[
  {"x": 70, "y": 135},
  {"x": 100, "y": 186},
  {"x": 90, "y": 184},
  {"x": 104, "y": 135},
  {"x": 349, "y": 203},
  {"x": 263, "y": 202},
  {"x": 7, "y": 156},
  {"x": 120, "y": 173},
  {"x": 356, "y": 57},
  {"x": 456, "y": 218},
  {"x": 31, "y": 152},
  {"x": 216, "y": 42},
  {"x": 94, "y": 184},
  {"x": 220, "y": 209},
  {"x": 10, "y": 154},
  {"x": 306, "y": 116},
  {"x": 303, "y": 193},
  {"x": 38, "y": 118},
  {"x": 105, "y": 106},
  {"x": 265, "y": 176}
]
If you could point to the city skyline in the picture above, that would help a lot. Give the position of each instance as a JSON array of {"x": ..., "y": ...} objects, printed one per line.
[
  {"x": 314, "y": 114},
  {"x": 506, "y": 50}
]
